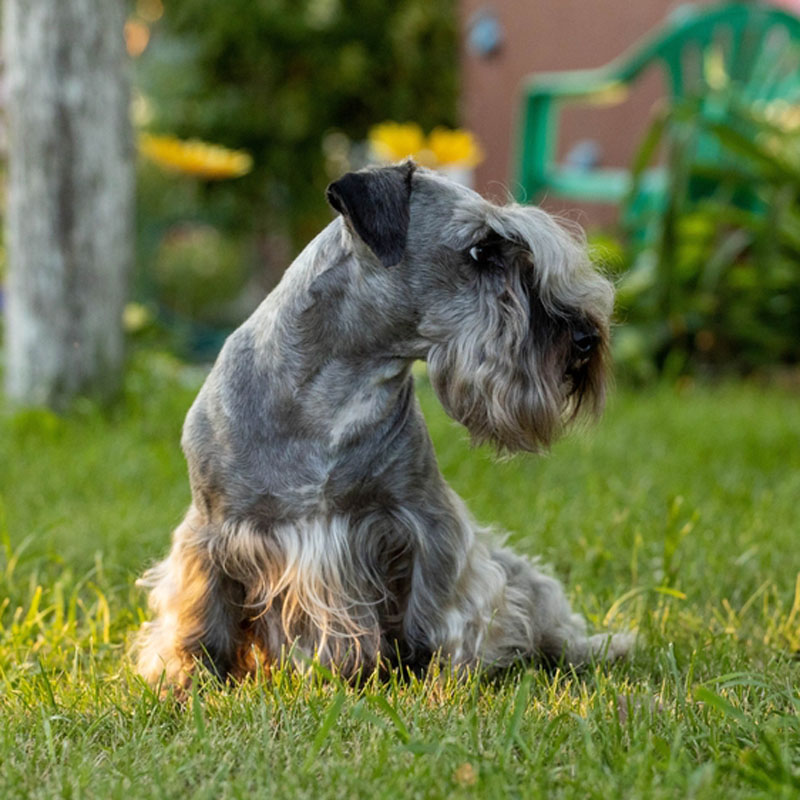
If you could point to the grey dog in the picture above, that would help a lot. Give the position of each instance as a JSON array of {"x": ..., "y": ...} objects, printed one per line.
[{"x": 320, "y": 525}]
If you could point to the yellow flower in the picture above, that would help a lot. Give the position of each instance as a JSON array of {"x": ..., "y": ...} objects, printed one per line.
[
  {"x": 193, "y": 157},
  {"x": 454, "y": 147},
  {"x": 392, "y": 141}
]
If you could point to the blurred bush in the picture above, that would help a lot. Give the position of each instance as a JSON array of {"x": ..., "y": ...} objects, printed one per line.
[
  {"x": 715, "y": 281},
  {"x": 197, "y": 270},
  {"x": 293, "y": 84},
  {"x": 274, "y": 77}
]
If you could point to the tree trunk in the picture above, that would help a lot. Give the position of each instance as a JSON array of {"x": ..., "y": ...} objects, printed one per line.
[{"x": 69, "y": 221}]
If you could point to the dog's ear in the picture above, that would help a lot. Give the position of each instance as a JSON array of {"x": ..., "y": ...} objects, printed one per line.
[{"x": 376, "y": 204}]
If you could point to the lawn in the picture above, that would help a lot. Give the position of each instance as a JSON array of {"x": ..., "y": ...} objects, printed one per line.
[{"x": 676, "y": 515}]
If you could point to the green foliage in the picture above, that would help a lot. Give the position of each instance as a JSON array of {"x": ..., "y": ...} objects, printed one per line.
[
  {"x": 295, "y": 83},
  {"x": 716, "y": 281},
  {"x": 274, "y": 76},
  {"x": 196, "y": 269},
  {"x": 677, "y": 515}
]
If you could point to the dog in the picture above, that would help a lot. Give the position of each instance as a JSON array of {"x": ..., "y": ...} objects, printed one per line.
[{"x": 320, "y": 525}]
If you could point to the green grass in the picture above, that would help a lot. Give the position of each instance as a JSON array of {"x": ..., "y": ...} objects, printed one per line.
[{"x": 677, "y": 515}]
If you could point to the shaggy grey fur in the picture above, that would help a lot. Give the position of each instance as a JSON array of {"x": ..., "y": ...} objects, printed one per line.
[{"x": 320, "y": 524}]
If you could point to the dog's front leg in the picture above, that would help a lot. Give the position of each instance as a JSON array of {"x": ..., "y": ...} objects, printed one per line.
[{"x": 198, "y": 613}]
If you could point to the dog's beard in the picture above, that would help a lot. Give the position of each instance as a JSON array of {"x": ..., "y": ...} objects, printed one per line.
[{"x": 511, "y": 381}]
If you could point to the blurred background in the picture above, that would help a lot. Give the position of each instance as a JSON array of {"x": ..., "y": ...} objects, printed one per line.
[
  {"x": 669, "y": 131},
  {"x": 297, "y": 86}
]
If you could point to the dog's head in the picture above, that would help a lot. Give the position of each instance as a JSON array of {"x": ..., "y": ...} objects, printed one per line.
[{"x": 501, "y": 300}]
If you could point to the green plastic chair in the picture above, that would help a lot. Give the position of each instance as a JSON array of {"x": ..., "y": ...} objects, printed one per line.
[{"x": 750, "y": 49}]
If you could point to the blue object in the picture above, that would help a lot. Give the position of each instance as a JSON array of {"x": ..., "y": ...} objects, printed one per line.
[
  {"x": 584, "y": 155},
  {"x": 485, "y": 35}
]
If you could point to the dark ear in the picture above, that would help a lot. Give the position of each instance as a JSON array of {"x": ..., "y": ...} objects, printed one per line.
[{"x": 376, "y": 204}]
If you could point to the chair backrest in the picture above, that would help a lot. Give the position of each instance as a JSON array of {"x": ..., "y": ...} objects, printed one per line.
[{"x": 752, "y": 45}]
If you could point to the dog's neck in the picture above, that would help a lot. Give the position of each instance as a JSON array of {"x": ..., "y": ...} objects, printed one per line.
[
  {"x": 320, "y": 394},
  {"x": 346, "y": 374}
]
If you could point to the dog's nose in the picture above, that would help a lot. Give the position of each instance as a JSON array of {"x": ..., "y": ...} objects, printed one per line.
[{"x": 585, "y": 340}]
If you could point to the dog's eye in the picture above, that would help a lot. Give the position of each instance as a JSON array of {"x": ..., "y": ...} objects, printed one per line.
[{"x": 487, "y": 254}]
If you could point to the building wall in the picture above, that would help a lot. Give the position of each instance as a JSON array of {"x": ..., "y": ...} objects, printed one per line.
[{"x": 554, "y": 35}]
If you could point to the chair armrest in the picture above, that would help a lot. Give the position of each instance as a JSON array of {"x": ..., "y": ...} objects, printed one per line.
[
  {"x": 595, "y": 86},
  {"x": 544, "y": 94},
  {"x": 538, "y": 129}
]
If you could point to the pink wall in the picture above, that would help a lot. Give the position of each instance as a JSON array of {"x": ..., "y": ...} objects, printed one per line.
[{"x": 552, "y": 35}]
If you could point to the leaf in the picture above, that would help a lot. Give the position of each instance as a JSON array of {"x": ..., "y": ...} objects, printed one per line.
[
  {"x": 713, "y": 700},
  {"x": 327, "y": 724},
  {"x": 399, "y": 726},
  {"x": 520, "y": 704}
]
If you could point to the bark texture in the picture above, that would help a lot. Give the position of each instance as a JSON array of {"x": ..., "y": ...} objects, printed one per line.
[{"x": 69, "y": 222}]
